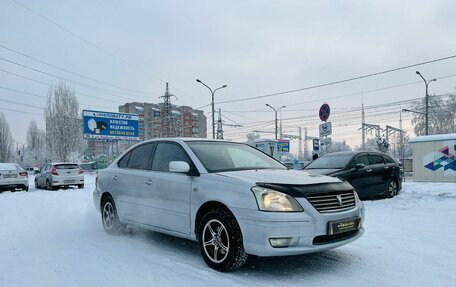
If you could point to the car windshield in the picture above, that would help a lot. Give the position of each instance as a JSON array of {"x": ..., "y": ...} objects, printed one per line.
[
  {"x": 330, "y": 162},
  {"x": 224, "y": 156}
]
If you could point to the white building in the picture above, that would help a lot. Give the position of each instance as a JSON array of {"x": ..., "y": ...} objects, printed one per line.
[{"x": 434, "y": 158}]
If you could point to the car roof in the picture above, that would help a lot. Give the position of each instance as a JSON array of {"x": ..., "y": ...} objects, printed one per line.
[{"x": 356, "y": 152}]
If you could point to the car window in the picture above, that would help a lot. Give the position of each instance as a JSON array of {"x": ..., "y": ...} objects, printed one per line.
[
  {"x": 330, "y": 161},
  {"x": 166, "y": 153},
  {"x": 66, "y": 166},
  {"x": 123, "y": 162},
  {"x": 362, "y": 159},
  {"x": 388, "y": 159},
  {"x": 375, "y": 159},
  {"x": 140, "y": 157}
]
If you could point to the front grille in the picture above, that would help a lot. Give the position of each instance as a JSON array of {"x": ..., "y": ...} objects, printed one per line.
[
  {"x": 326, "y": 203},
  {"x": 325, "y": 239}
]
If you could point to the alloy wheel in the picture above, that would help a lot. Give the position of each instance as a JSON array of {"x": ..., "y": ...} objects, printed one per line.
[
  {"x": 108, "y": 215},
  {"x": 392, "y": 188},
  {"x": 216, "y": 243}
]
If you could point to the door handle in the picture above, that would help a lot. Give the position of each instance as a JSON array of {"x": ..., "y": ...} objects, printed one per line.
[
  {"x": 148, "y": 182},
  {"x": 369, "y": 170},
  {"x": 114, "y": 177}
]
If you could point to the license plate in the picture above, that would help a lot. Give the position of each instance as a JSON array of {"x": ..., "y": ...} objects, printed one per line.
[
  {"x": 68, "y": 181},
  {"x": 9, "y": 175},
  {"x": 344, "y": 225}
]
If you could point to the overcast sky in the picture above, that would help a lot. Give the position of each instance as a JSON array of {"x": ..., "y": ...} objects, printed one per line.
[{"x": 255, "y": 47}]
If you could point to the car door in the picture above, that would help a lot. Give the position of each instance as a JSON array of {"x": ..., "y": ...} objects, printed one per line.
[
  {"x": 42, "y": 176},
  {"x": 131, "y": 182},
  {"x": 170, "y": 197},
  {"x": 360, "y": 178},
  {"x": 379, "y": 173}
]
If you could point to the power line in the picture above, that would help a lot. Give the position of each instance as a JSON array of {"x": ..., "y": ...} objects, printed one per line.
[
  {"x": 98, "y": 89},
  {"x": 71, "y": 72},
  {"x": 82, "y": 38},
  {"x": 340, "y": 81},
  {"x": 23, "y": 112},
  {"x": 50, "y": 85},
  {"x": 41, "y": 96}
]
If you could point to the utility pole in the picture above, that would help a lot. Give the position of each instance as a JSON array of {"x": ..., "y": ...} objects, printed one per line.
[
  {"x": 275, "y": 112},
  {"x": 166, "y": 114},
  {"x": 212, "y": 103},
  {"x": 219, "y": 126},
  {"x": 426, "y": 112},
  {"x": 305, "y": 144},
  {"x": 363, "y": 119}
]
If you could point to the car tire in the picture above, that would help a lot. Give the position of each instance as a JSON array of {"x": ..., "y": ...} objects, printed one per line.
[
  {"x": 26, "y": 188},
  {"x": 220, "y": 241},
  {"x": 49, "y": 185},
  {"x": 109, "y": 217},
  {"x": 80, "y": 186},
  {"x": 391, "y": 188},
  {"x": 36, "y": 184}
]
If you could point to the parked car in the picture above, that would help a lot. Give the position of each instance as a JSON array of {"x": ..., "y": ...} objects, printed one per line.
[
  {"x": 230, "y": 197},
  {"x": 372, "y": 174},
  {"x": 13, "y": 177},
  {"x": 55, "y": 175}
]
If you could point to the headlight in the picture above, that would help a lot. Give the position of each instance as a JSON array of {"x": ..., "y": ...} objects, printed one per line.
[{"x": 272, "y": 200}]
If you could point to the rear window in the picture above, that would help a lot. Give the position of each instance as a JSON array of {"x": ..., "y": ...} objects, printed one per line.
[
  {"x": 66, "y": 166},
  {"x": 9, "y": 166}
]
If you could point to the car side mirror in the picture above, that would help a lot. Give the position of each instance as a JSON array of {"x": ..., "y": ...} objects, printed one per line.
[
  {"x": 179, "y": 166},
  {"x": 400, "y": 163}
]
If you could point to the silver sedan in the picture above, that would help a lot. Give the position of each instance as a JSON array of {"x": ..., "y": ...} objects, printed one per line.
[
  {"x": 230, "y": 197},
  {"x": 13, "y": 177}
]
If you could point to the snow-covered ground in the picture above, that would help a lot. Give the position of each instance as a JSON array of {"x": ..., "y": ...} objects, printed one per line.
[{"x": 55, "y": 238}]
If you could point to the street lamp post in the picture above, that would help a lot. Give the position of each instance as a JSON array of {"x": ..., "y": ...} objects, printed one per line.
[
  {"x": 426, "y": 99},
  {"x": 275, "y": 111},
  {"x": 212, "y": 104}
]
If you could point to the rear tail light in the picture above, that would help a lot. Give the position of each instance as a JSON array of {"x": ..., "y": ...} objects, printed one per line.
[
  {"x": 23, "y": 173},
  {"x": 54, "y": 171},
  {"x": 81, "y": 171}
]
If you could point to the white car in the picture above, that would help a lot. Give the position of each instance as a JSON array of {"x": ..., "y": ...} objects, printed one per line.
[
  {"x": 13, "y": 177},
  {"x": 55, "y": 175},
  {"x": 230, "y": 197}
]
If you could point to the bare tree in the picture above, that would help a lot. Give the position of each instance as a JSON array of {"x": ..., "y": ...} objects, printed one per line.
[
  {"x": 339, "y": 146},
  {"x": 6, "y": 140},
  {"x": 36, "y": 137},
  {"x": 251, "y": 137},
  {"x": 63, "y": 123},
  {"x": 442, "y": 116}
]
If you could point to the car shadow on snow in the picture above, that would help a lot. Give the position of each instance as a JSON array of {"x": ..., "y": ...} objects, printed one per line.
[{"x": 302, "y": 266}]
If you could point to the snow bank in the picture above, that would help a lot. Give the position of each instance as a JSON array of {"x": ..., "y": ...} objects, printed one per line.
[{"x": 55, "y": 238}]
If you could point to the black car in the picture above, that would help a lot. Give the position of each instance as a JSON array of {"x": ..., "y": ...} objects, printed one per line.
[{"x": 372, "y": 174}]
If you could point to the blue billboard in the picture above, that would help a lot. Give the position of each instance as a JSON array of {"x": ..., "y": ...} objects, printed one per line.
[{"x": 110, "y": 126}]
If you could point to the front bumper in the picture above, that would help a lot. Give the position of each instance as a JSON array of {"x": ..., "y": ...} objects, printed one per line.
[{"x": 306, "y": 229}]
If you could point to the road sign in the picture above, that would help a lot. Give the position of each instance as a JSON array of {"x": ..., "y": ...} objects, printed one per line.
[
  {"x": 324, "y": 112},
  {"x": 325, "y": 129},
  {"x": 107, "y": 125},
  {"x": 316, "y": 145},
  {"x": 326, "y": 142}
]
